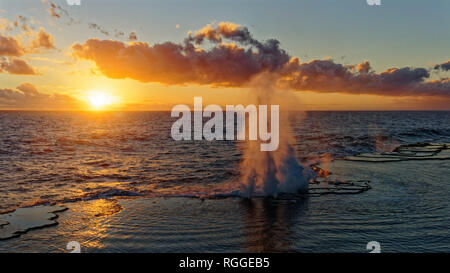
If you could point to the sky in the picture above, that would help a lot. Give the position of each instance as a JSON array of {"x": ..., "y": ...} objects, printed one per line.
[{"x": 151, "y": 55}]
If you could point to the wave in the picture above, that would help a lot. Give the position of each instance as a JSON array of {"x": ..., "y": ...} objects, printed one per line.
[{"x": 426, "y": 132}]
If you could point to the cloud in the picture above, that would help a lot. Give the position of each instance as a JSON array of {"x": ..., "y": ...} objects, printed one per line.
[
  {"x": 119, "y": 34},
  {"x": 26, "y": 96},
  {"x": 22, "y": 23},
  {"x": 58, "y": 12},
  {"x": 6, "y": 25},
  {"x": 444, "y": 66},
  {"x": 53, "y": 10},
  {"x": 94, "y": 26},
  {"x": 28, "y": 88},
  {"x": 12, "y": 47},
  {"x": 226, "y": 64},
  {"x": 16, "y": 66},
  {"x": 363, "y": 67},
  {"x": 43, "y": 40},
  {"x": 132, "y": 36},
  {"x": 9, "y": 46},
  {"x": 233, "y": 57},
  {"x": 328, "y": 76}
]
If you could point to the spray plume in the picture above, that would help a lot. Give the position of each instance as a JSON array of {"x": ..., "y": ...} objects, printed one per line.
[{"x": 270, "y": 173}]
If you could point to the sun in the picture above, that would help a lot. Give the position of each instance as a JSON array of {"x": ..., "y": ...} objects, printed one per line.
[{"x": 99, "y": 100}]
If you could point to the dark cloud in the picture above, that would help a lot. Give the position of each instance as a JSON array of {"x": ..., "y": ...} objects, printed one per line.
[
  {"x": 98, "y": 28},
  {"x": 26, "y": 96},
  {"x": 444, "y": 66},
  {"x": 233, "y": 57},
  {"x": 328, "y": 76},
  {"x": 58, "y": 12},
  {"x": 116, "y": 32},
  {"x": 53, "y": 10},
  {"x": 270, "y": 55}
]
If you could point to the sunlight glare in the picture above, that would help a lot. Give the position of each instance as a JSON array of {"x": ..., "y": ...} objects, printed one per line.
[{"x": 100, "y": 99}]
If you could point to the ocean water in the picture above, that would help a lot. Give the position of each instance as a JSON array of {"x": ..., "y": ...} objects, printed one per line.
[
  {"x": 64, "y": 156},
  {"x": 74, "y": 157}
]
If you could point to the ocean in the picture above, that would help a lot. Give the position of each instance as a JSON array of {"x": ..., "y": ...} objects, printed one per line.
[{"x": 77, "y": 157}]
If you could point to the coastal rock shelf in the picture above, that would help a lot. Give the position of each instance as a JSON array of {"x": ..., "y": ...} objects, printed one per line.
[
  {"x": 327, "y": 183},
  {"x": 350, "y": 175},
  {"x": 22, "y": 220},
  {"x": 3, "y": 223},
  {"x": 323, "y": 186},
  {"x": 418, "y": 151}
]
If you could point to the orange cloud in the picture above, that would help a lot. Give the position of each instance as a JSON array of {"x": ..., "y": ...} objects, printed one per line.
[
  {"x": 16, "y": 66},
  {"x": 43, "y": 40},
  {"x": 28, "y": 88},
  {"x": 235, "y": 64},
  {"x": 26, "y": 96},
  {"x": 363, "y": 67},
  {"x": 11, "y": 48},
  {"x": 170, "y": 63}
]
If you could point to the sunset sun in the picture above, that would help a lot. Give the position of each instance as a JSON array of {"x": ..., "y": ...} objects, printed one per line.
[{"x": 100, "y": 100}]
